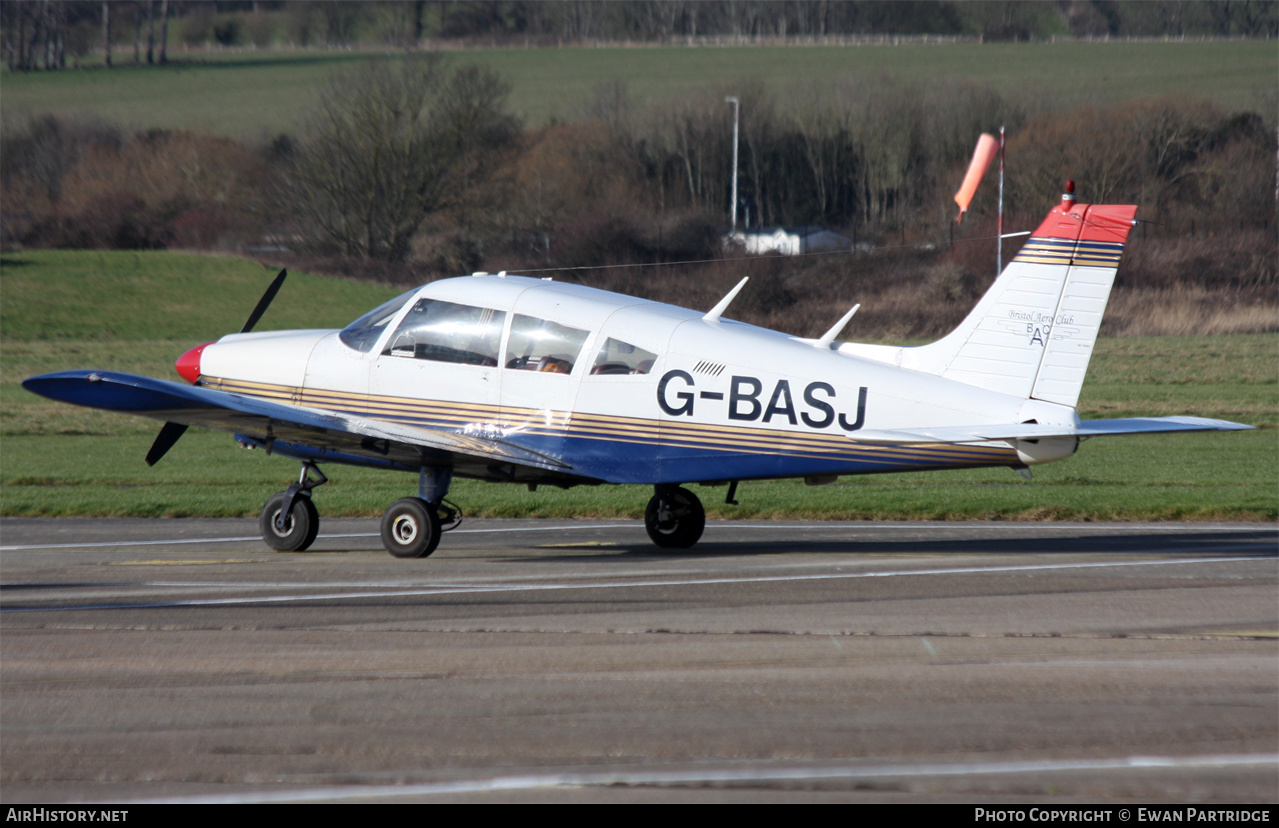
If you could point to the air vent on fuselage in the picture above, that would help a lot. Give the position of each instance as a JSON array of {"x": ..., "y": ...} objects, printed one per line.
[{"x": 713, "y": 369}]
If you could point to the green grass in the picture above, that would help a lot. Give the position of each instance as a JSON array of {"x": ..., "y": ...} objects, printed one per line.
[
  {"x": 138, "y": 311},
  {"x": 143, "y": 295},
  {"x": 1228, "y": 377},
  {"x": 257, "y": 93},
  {"x": 1180, "y": 477}
]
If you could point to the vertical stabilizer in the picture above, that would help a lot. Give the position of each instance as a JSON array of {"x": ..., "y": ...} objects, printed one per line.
[{"x": 1033, "y": 332}]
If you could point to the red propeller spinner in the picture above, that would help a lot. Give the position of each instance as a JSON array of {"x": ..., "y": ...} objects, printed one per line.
[{"x": 188, "y": 364}]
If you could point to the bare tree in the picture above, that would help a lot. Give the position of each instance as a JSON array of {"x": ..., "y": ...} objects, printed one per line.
[
  {"x": 817, "y": 121},
  {"x": 164, "y": 31},
  {"x": 150, "y": 32},
  {"x": 137, "y": 33},
  {"x": 106, "y": 33},
  {"x": 390, "y": 144}
]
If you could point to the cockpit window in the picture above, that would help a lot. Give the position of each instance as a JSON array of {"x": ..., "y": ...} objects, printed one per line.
[
  {"x": 363, "y": 333},
  {"x": 618, "y": 357},
  {"x": 542, "y": 345},
  {"x": 447, "y": 332}
]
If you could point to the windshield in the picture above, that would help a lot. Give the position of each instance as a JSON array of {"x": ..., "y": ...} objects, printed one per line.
[{"x": 363, "y": 333}]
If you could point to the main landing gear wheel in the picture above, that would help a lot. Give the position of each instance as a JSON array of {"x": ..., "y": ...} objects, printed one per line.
[
  {"x": 675, "y": 518},
  {"x": 411, "y": 528},
  {"x": 300, "y": 525}
]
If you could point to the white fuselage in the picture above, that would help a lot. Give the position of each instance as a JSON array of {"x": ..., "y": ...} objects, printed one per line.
[{"x": 628, "y": 390}]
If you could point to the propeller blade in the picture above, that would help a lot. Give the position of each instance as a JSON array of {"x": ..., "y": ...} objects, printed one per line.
[
  {"x": 164, "y": 441},
  {"x": 265, "y": 301},
  {"x": 172, "y": 432}
]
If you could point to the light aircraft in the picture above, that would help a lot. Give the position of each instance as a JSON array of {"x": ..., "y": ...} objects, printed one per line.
[{"x": 532, "y": 381}]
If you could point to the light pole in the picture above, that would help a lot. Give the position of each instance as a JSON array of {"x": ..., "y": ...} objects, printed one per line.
[{"x": 737, "y": 108}]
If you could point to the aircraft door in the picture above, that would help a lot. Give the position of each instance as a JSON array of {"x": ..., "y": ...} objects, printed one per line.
[{"x": 541, "y": 369}]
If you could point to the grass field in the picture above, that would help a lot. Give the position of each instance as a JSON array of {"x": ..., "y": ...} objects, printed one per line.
[
  {"x": 138, "y": 311},
  {"x": 254, "y": 93}
]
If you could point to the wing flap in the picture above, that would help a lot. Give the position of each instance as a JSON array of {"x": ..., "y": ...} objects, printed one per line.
[{"x": 268, "y": 421}]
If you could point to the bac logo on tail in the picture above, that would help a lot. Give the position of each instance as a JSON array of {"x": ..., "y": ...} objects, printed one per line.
[{"x": 1040, "y": 325}]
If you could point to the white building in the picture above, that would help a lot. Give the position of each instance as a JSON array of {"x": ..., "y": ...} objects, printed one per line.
[{"x": 789, "y": 241}]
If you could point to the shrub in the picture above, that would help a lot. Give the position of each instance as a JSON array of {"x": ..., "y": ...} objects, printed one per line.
[
  {"x": 200, "y": 228},
  {"x": 599, "y": 240},
  {"x": 117, "y": 220}
]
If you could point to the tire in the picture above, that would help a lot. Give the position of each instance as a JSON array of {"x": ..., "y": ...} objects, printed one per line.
[
  {"x": 410, "y": 528},
  {"x": 684, "y": 521},
  {"x": 301, "y": 527}
]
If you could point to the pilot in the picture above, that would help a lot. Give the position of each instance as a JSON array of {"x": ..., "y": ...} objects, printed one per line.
[{"x": 554, "y": 365}]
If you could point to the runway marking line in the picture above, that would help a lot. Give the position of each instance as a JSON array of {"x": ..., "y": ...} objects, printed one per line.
[
  {"x": 1243, "y": 633},
  {"x": 583, "y": 545},
  {"x": 461, "y": 589},
  {"x": 188, "y": 562},
  {"x": 708, "y": 776}
]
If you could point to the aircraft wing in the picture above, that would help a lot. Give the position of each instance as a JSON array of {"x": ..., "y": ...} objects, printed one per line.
[
  {"x": 354, "y": 438},
  {"x": 1033, "y": 431}
]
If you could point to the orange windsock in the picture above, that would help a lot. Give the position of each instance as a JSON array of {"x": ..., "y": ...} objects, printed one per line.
[{"x": 987, "y": 149}]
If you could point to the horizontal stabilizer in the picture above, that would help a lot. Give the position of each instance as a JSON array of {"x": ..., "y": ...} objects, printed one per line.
[{"x": 1033, "y": 431}]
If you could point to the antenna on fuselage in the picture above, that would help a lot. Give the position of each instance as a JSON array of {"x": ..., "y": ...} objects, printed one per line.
[
  {"x": 714, "y": 313},
  {"x": 829, "y": 337}
]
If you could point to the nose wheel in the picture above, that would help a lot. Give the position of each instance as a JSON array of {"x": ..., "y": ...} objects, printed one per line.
[
  {"x": 289, "y": 528},
  {"x": 289, "y": 521},
  {"x": 674, "y": 518}
]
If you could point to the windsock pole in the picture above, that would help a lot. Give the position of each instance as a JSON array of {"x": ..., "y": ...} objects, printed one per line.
[{"x": 999, "y": 241}]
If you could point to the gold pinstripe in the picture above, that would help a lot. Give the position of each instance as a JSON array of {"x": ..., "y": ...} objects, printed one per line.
[
  {"x": 631, "y": 430},
  {"x": 1046, "y": 250}
]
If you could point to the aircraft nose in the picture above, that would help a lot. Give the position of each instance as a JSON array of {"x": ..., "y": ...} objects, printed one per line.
[{"x": 188, "y": 364}]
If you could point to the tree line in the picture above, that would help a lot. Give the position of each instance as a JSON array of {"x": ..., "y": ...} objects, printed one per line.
[
  {"x": 411, "y": 169},
  {"x": 43, "y": 34},
  {"x": 414, "y": 159}
]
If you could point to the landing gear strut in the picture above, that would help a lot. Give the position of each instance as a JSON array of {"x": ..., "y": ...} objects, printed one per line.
[
  {"x": 674, "y": 518},
  {"x": 289, "y": 520}
]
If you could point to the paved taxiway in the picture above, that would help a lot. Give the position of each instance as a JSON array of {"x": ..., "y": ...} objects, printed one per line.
[{"x": 535, "y": 661}]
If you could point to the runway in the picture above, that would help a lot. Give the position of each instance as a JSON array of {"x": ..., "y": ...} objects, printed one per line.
[{"x": 181, "y": 660}]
